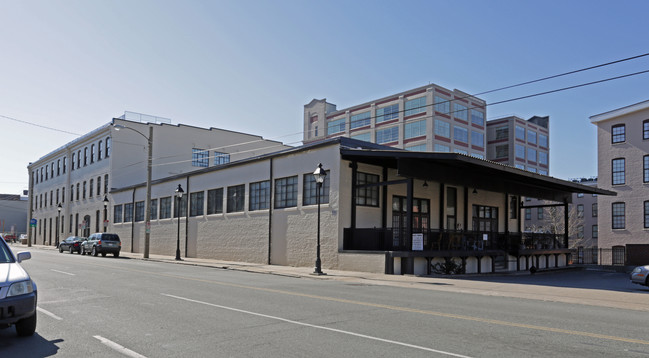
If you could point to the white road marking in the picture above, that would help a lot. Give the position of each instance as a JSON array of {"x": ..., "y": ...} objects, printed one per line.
[
  {"x": 63, "y": 272},
  {"x": 121, "y": 349},
  {"x": 49, "y": 313},
  {"x": 318, "y": 327}
]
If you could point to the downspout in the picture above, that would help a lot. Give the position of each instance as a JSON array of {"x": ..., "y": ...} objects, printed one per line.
[
  {"x": 270, "y": 210},
  {"x": 133, "y": 219},
  {"x": 187, "y": 214},
  {"x": 384, "y": 213},
  {"x": 354, "y": 167}
]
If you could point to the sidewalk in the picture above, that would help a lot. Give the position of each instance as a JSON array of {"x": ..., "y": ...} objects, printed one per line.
[{"x": 594, "y": 297}]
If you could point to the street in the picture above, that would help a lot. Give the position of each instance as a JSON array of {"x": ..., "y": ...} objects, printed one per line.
[{"x": 112, "y": 307}]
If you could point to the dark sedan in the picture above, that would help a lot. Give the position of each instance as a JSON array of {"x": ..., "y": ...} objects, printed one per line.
[{"x": 71, "y": 244}]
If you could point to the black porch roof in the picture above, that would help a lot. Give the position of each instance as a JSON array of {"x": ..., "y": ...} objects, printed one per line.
[{"x": 462, "y": 170}]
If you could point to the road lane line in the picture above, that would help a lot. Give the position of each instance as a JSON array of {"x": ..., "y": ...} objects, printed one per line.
[
  {"x": 401, "y": 309},
  {"x": 119, "y": 348},
  {"x": 49, "y": 313},
  {"x": 318, "y": 327},
  {"x": 63, "y": 272}
]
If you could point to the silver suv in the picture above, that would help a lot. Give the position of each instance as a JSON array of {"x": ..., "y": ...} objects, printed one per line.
[
  {"x": 101, "y": 243},
  {"x": 17, "y": 292}
]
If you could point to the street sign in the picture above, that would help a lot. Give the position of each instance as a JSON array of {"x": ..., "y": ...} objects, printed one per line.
[{"x": 32, "y": 223}]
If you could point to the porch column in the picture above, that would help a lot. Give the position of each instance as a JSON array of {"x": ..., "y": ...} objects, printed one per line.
[
  {"x": 565, "y": 223},
  {"x": 409, "y": 202},
  {"x": 384, "y": 200},
  {"x": 354, "y": 166},
  {"x": 466, "y": 209},
  {"x": 441, "y": 207}
]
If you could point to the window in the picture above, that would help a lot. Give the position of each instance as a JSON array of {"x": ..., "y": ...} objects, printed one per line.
[
  {"x": 531, "y": 136},
  {"x": 165, "y": 208},
  {"x": 528, "y": 214},
  {"x": 580, "y": 210},
  {"x": 387, "y": 135},
  {"x": 92, "y": 153},
  {"x": 477, "y": 118},
  {"x": 646, "y": 214},
  {"x": 387, "y": 113},
  {"x": 414, "y": 106},
  {"x": 367, "y": 196},
  {"x": 128, "y": 212},
  {"x": 259, "y": 195},
  {"x": 79, "y": 159},
  {"x": 117, "y": 214},
  {"x": 360, "y": 120},
  {"x": 539, "y": 213},
  {"x": 52, "y": 171},
  {"x": 367, "y": 137},
  {"x": 502, "y": 132},
  {"x": 442, "y": 148},
  {"x": 236, "y": 198},
  {"x": 442, "y": 105},
  {"x": 180, "y": 209},
  {"x": 618, "y": 133},
  {"x": 100, "y": 150},
  {"x": 92, "y": 187},
  {"x": 78, "y": 186},
  {"x": 543, "y": 140},
  {"x": 531, "y": 169},
  {"x": 310, "y": 190},
  {"x": 485, "y": 218},
  {"x": 461, "y": 134},
  {"x": 451, "y": 208},
  {"x": 85, "y": 156},
  {"x": 286, "y": 192},
  {"x": 221, "y": 158},
  {"x": 477, "y": 139},
  {"x": 531, "y": 155},
  {"x": 502, "y": 151},
  {"x": 139, "y": 211},
  {"x": 63, "y": 195},
  {"x": 196, "y": 203},
  {"x": 543, "y": 157},
  {"x": 83, "y": 193},
  {"x": 99, "y": 186},
  {"x": 65, "y": 164},
  {"x": 513, "y": 207},
  {"x": 200, "y": 158},
  {"x": 645, "y": 168},
  {"x": 105, "y": 184},
  {"x": 442, "y": 129},
  {"x": 580, "y": 231},
  {"x": 595, "y": 231},
  {"x": 460, "y": 151},
  {"x": 58, "y": 167},
  {"x": 107, "y": 147},
  {"x": 594, "y": 210},
  {"x": 417, "y": 148},
  {"x": 520, "y": 151},
  {"x": 460, "y": 112},
  {"x": 47, "y": 171},
  {"x": 618, "y": 171},
  {"x": 415, "y": 129},
  {"x": 542, "y": 171},
  {"x": 336, "y": 126},
  {"x": 520, "y": 133},
  {"x": 72, "y": 192},
  {"x": 153, "y": 213},
  {"x": 215, "y": 201},
  {"x": 645, "y": 129},
  {"x": 618, "y": 216}
]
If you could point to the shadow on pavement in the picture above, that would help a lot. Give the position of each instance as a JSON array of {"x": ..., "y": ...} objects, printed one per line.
[{"x": 35, "y": 346}]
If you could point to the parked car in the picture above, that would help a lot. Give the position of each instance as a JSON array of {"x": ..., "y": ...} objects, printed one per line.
[
  {"x": 640, "y": 275},
  {"x": 71, "y": 244},
  {"x": 17, "y": 292},
  {"x": 101, "y": 243}
]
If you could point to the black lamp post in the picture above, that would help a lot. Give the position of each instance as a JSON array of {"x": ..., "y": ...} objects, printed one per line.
[
  {"x": 105, "y": 212},
  {"x": 319, "y": 174},
  {"x": 179, "y": 194},
  {"x": 58, "y": 222}
]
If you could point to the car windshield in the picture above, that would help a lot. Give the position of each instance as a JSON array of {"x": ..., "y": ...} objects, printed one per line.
[{"x": 5, "y": 254}]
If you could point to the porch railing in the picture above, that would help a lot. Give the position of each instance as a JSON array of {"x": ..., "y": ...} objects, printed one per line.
[{"x": 389, "y": 239}]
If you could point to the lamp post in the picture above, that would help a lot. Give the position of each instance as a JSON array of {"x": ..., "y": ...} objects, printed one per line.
[
  {"x": 319, "y": 174},
  {"x": 58, "y": 222},
  {"x": 147, "y": 208},
  {"x": 105, "y": 212},
  {"x": 179, "y": 194}
]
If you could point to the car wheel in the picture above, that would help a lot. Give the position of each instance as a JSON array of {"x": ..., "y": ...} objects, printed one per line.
[
  {"x": 60, "y": 249},
  {"x": 94, "y": 251},
  {"x": 116, "y": 254},
  {"x": 103, "y": 254},
  {"x": 71, "y": 250},
  {"x": 27, "y": 326}
]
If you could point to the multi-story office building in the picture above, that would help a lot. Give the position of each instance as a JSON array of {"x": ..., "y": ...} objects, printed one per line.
[
  {"x": 13, "y": 214},
  {"x": 523, "y": 144},
  {"x": 68, "y": 186},
  {"x": 428, "y": 118},
  {"x": 623, "y": 167},
  {"x": 582, "y": 217}
]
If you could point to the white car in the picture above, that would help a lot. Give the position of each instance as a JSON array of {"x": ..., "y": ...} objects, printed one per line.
[
  {"x": 640, "y": 275},
  {"x": 17, "y": 292}
]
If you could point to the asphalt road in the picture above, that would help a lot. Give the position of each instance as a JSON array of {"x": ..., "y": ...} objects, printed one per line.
[{"x": 115, "y": 307}]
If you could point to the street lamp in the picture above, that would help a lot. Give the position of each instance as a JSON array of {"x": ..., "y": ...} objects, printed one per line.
[
  {"x": 147, "y": 208},
  {"x": 319, "y": 174},
  {"x": 58, "y": 222},
  {"x": 179, "y": 194},
  {"x": 105, "y": 212}
]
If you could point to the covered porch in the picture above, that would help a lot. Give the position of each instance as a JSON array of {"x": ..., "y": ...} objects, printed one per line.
[{"x": 453, "y": 222}]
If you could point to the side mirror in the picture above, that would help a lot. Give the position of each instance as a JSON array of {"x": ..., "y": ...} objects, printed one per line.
[{"x": 23, "y": 255}]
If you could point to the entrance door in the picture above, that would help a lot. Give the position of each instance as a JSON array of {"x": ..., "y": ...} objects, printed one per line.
[
  {"x": 420, "y": 219},
  {"x": 86, "y": 226}
]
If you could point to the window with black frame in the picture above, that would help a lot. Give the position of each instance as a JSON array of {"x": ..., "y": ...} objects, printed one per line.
[
  {"x": 236, "y": 198},
  {"x": 309, "y": 195},
  {"x": 367, "y": 196}
]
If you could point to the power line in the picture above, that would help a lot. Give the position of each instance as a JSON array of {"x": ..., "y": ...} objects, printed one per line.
[{"x": 40, "y": 125}]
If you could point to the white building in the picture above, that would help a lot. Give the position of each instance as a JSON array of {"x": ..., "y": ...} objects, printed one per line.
[{"x": 80, "y": 174}]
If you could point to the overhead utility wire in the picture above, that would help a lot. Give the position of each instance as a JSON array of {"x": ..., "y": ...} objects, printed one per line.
[{"x": 39, "y": 125}]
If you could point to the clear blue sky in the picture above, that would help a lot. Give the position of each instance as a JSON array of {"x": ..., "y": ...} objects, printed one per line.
[{"x": 250, "y": 66}]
